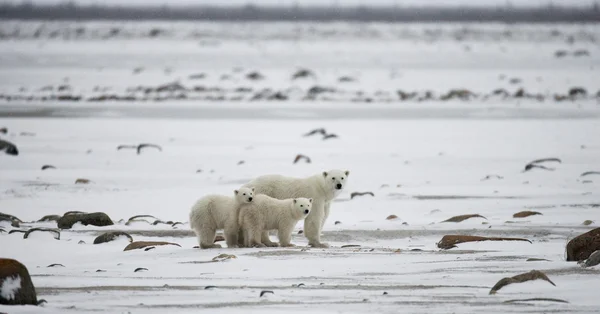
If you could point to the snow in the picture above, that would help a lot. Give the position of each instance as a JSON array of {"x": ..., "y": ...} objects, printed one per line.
[
  {"x": 10, "y": 287},
  {"x": 424, "y": 161}
]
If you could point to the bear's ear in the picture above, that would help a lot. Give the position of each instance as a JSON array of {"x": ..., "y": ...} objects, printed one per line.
[
  {"x": 325, "y": 174},
  {"x": 310, "y": 200},
  {"x": 236, "y": 191},
  {"x": 347, "y": 173},
  {"x": 295, "y": 200}
]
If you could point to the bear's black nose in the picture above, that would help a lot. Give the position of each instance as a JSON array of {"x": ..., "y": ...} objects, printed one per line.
[
  {"x": 338, "y": 186},
  {"x": 249, "y": 199},
  {"x": 306, "y": 211}
]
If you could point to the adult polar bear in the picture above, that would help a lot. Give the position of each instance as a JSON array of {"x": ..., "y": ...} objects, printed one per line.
[{"x": 322, "y": 188}]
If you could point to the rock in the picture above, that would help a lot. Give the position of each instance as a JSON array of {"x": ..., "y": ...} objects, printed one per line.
[
  {"x": 255, "y": 76},
  {"x": 44, "y": 167},
  {"x": 82, "y": 181},
  {"x": 16, "y": 287},
  {"x": 55, "y": 232},
  {"x": 142, "y": 244},
  {"x": 581, "y": 247},
  {"x": 390, "y": 217},
  {"x": 49, "y": 218},
  {"x": 14, "y": 221},
  {"x": 593, "y": 260},
  {"x": 302, "y": 73},
  {"x": 111, "y": 236},
  {"x": 560, "y": 53},
  {"x": 95, "y": 219},
  {"x": 462, "y": 94},
  {"x": 9, "y": 148},
  {"x": 581, "y": 53},
  {"x": 577, "y": 92},
  {"x": 525, "y": 213}
]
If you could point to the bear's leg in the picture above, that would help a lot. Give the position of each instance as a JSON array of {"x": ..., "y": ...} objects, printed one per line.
[
  {"x": 284, "y": 233},
  {"x": 231, "y": 235},
  {"x": 207, "y": 238},
  {"x": 255, "y": 238},
  {"x": 312, "y": 227},
  {"x": 241, "y": 241},
  {"x": 264, "y": 238},
  {"x": 325, "y": 214}
]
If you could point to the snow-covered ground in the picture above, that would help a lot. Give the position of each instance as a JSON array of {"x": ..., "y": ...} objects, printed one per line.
[{"x": 424, "y": 161}]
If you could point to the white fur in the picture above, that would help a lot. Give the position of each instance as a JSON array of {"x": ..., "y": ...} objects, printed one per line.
[
  {"x": 214, "y": 212},
  {"x": 266, "y": 213},
  {"x": 322, "y": 188}
]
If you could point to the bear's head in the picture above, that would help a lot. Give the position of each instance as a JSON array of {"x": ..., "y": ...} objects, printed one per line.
[
  {"x": 244, "y": 195},
  {"x": 336, "y": 179},
  {"x": 301, "y": 207}
]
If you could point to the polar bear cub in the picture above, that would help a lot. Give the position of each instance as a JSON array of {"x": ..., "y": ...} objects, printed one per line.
[
  {"x": 266, "y": 213},
  {"x": 322, "y": 188},
  {"x": 213, "y": 212}
]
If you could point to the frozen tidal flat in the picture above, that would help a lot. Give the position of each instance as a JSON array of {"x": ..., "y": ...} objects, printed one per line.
[{"x": 425, "y": 162}]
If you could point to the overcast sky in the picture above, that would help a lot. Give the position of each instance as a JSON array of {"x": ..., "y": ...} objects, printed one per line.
[{"x": 327, "y": 2}]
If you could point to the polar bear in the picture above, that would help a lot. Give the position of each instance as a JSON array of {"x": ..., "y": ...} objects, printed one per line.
[
  {"x": 213, "y": 212},
  {"x": 266, "y": 213},
  {"x": 322, "y": 188}
]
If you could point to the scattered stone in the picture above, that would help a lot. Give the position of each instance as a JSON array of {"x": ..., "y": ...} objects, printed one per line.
[
  {"x": 16, "y": 287},
  {"x": 515, "y": 80},
  {"x": 265, "y": 292},
  {"x": 82, "y": 181},
  {"x": 3, "y": 130},
  {"x": 96, "y": 219},
  {"x": 350, "y": 246},
  {"x": 140, "y": 269},
  {"x": 577, "y": 92},
  {"x": 14, "y": 221},
  {"x": 532, "y": 275},
  {"x": 536, "y": 299},
  {"x": 462, "y": 94},
  {"x": 450, "y": 241},
  {"x": 525, "y": 213},
  {"x": 581, "y": 247},
  {"x": 9, "y": 148},
  {"x": 81, "y": 242},
  {"x": 593, "y": 260},
  {"x": 581, "y": 53},
  {"x": 142, "y": 244},
  {"x": 346, "y": 79},
  {"x": 354, "y": 194},
  {"x": 255, "y": 76},
  {"x": 303, "y": 73},
  {"x": 44, "y": 167},
  {"x": 56, "y": 232},
  {"x": 587, "y": 222},
  {"x": 587, "y": 173},
  {"x": 198, "y": 76},
  {"x": 100, "y": 271},
  {"x": 219, "y": 238},
  {"x": 49, "y": 218},
  {"x": 223, "y": 257},
  {"x": 337, "y": 223},
  {"x": 560, "y": 53},
  {"x": 533, "y": 259},
  {"x": 463, "y": 218},
  {"x": 112, "y": 236},
  {"x": 391, "y": 217},
  {"x": 302, "y": 157},
  {"x": 56, "y": 265}
]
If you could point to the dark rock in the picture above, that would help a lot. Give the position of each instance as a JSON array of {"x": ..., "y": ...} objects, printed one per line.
[
  {"x": 515, "y": 80},
  {"x": 171, "y": 87},
  {"x": 142, "y": 244},
  {"x": 56, "y": 232},
  {"x": 3, "y": 130},
  {"x": 577, "y": 91},
  {"x": 560, "y": 53},
  {"x": 14, "y": 221},
  {"x": 463, "y": 94},
  {"x": 44, "y": 167},
  {"x": 111, "y": 236},
  {"x": 581, "y": 53},
  {"x": 346, "y": 79},
  {"x": 406, "y": 96},
  {"x": 581, "y": 247},
  {"x": 255, "y": 76},
  {"x": 278, "y": 96},
  {"x": 95, "y": 219},
  {"x": 303, "y": 73},
  {"x": 9, "y": 148},
  {"x": 520, "y": 93},
  {"x": 315, "y": 90},
  {"x": 17, "y": 287},
  {"x": 49, "y": 218}
]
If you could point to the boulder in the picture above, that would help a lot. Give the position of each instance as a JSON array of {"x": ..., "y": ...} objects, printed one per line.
[
  {"x": 142, "y": 244},
  {"x": 16, "y": 287},
  {"x": 111, "y": 236},
  {"x": 95, "y": 219},
  {"x": 581, "y": 247}
]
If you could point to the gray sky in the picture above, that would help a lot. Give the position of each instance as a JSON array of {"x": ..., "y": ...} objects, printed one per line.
[{"x": 327, "y": 2}]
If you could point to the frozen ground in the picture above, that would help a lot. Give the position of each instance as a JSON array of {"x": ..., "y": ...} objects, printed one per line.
[{"x": 424, "y": 161}]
